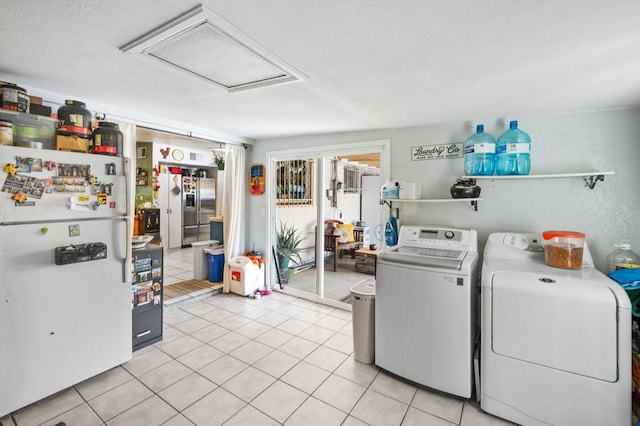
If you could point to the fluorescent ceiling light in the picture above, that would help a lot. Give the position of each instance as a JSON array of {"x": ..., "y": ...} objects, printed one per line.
[{"x": 204, "y": 45}]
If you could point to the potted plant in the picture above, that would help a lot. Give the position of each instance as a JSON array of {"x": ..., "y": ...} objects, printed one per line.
[
  {"x": 288, "y": 248},
  {"x": 218, "y": 160}
]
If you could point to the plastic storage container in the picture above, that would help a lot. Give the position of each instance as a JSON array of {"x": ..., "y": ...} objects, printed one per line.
[
  {"x": 13, "y": 98},
  {"x": 622, "y": 258},
  {"x": 107, "y": 139},
  {"x": 563, "y": 249},
  {"x": 513, "y": 150},
  {"x": 479, "y": 153},
  {"x": 6, "y": 133},
  {"x": 363, "y": 303},
  {"x": 30, "y": 130},
  {"x": 215, "y": 265},
  {"x": 246, "y": 276},
  {"x": 75, "y": 119}
]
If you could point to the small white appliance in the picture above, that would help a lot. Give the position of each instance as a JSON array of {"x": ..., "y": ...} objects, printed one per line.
[
  {"x": 556, "y": 343},
  {"x": 426, "y": 297},
  {"x": 409, "y": 190}
]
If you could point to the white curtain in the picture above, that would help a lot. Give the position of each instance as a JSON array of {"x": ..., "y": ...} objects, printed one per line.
[{"x": 235, "y": 184}]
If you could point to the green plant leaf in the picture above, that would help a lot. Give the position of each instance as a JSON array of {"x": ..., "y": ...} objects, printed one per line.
[{"x": 288, "y": 242}]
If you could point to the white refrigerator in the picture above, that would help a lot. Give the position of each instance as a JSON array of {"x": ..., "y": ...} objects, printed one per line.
[{"x": 65, "y": 261}]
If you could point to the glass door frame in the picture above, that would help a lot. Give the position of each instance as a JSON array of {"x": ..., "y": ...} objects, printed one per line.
[{"x": 319, "y": 154}]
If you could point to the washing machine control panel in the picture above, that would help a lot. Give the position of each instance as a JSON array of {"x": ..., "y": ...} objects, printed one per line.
[
  {"x": 528, "y": 242},
  {"x": 450, "y": 238}
]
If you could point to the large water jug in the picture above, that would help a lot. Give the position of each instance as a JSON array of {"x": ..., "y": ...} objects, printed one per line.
[
  {"x": 479, "y": 153},
  {"x": 513, "y": 152},
  {"x": 622, "y": 258}
]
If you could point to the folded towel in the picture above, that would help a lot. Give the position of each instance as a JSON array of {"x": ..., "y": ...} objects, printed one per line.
[{"x": 624, "y": 276}]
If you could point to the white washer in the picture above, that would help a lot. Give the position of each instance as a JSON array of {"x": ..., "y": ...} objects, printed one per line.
[
  {"x": 426, "y": 297},
  {"x": 556, "y": 343}
]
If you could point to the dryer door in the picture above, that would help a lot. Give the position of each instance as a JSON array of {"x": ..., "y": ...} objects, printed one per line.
[{"x": 567, "y": 324}]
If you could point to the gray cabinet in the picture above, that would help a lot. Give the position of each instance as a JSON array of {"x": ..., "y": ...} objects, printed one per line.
[{"x": 147, "y": 296}]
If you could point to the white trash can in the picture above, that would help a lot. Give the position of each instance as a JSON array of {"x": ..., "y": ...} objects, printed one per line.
[
  {"x": 363, "y": 304},
  {"x": 200, "y": 258},
  {"x": 246, "y": 276}
]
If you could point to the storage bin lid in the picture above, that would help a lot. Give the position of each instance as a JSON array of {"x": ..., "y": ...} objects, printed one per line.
[
  {"x": 205, "y": 243},
  {"x": 365, "y": 288},
  {"x": 239, "y": 261}
]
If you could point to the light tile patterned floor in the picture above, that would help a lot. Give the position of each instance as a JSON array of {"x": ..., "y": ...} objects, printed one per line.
[
  {"x": 178, "y": 265},
  {"x": 232, "y": 360}
]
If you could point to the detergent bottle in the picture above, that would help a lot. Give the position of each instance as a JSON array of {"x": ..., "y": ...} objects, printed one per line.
[{"x": 391, "y": 232}]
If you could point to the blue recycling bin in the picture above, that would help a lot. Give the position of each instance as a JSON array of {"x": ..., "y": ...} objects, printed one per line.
[{"x": 215, "y": 265}]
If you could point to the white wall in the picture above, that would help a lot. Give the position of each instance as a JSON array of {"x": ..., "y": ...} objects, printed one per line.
[{"x": 593, "y": 141}]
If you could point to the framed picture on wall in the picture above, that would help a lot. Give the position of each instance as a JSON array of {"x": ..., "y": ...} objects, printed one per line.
[
  {"x": 256, "y": 179},
  {"x": 142, "y": 152}
]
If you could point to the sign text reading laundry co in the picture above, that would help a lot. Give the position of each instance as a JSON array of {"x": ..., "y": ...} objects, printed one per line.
[{"x": 437, "y": 152}]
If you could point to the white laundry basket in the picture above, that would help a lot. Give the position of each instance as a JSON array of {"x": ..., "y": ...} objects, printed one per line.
[
  {"x": 363, "y": 304},
  {"x": 246, "y": 276}
]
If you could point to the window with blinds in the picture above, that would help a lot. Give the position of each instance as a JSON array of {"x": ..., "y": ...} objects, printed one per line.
[
  {"x": 294, "y": 179},
  {"x": 352, "y": 179}
]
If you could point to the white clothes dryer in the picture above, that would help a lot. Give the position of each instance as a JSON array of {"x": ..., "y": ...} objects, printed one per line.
[{"x": 555, "y": 343}]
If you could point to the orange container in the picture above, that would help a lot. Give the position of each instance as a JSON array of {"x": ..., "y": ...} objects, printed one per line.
[
  {"x": 135, "y": 225},
  {"x": 563, "y": 249}
]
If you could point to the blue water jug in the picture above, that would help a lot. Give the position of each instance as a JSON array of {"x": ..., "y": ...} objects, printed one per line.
[
  {"x": 479, "y": 153},
  {"x": 513, "y": 152}
]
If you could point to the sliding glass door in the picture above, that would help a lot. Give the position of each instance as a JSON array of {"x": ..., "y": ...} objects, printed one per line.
[{"x": 321, "y": 214}]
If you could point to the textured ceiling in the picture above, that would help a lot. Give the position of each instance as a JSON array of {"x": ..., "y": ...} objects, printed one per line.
[{"x": 372, "y": 64}]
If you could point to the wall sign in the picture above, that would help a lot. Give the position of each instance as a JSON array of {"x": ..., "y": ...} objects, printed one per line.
[
  {"x": 256, "y": 179},
  {"x": 437, "y": 152}
]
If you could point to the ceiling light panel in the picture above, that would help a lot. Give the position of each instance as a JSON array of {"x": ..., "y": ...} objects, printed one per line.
[{"x": 204, "y": 45}]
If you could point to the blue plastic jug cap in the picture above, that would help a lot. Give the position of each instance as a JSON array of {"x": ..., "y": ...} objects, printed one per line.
[
  {"x": 513, "y": 124},
  {"x": 480, "y": 128}
]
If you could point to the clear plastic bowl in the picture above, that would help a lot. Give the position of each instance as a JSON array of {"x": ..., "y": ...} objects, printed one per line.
[{"x": 563, "y": 249}]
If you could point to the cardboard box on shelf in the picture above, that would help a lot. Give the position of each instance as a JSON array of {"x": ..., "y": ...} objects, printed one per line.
[
  {"x": 40, "y": 110},
  {"x": 72, "y": 143},
  {"x": 35, "y": 100}
]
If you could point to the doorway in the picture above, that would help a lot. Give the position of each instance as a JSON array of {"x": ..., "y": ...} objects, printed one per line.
[{"x": 313, "y": 192}]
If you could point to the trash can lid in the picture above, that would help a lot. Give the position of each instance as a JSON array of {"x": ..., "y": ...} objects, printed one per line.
[
  {"x": 365, "y": 288},
  {"x": 205, "y": 243},
  {"x": 214, "y": 251}
]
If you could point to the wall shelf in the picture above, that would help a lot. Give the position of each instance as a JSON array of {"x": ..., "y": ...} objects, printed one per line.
[
  {"x": 590, "y": 178},
  {"x": 473, "y": 201}
]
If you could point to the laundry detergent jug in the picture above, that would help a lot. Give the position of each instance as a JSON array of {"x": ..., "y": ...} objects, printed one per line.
[{"x": 391, "y": 232}]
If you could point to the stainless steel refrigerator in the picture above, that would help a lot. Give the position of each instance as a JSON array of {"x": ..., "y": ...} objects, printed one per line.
[
  {"x": 65, "y": 260},
  {"x": 198, "y": 206}
]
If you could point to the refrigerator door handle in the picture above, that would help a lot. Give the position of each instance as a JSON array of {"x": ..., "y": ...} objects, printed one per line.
[{"x": 126, "y": 267}]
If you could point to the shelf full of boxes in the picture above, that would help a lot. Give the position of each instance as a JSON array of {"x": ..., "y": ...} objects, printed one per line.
[{"x": 25, "y": 121}]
